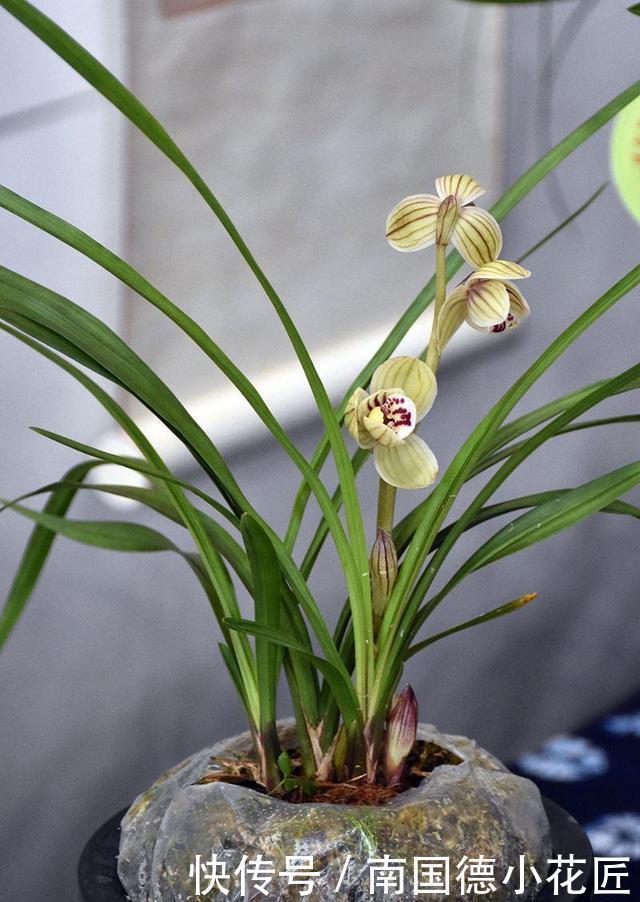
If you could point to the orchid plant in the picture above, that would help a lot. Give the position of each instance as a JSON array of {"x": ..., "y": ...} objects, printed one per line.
[{"x": 351, "y": 720}]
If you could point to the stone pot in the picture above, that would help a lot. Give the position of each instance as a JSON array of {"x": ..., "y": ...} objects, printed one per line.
[{"x": 473, "y": 809}]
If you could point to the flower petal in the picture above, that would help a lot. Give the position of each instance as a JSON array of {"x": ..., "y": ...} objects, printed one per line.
[
  {"x": 389, "y": 416},
  {"x": 452, "y": 316},
  {"x": 353, "y": 419},
  {"x": 411, "y": 225},
  {"x": 410, "y": 465},
  {"x": 463, "y": 187},
  {"x": 477, "y": 236},
  {"x": 518, "y": 306},
  {"x": 487, "y": 303},
  {"x": 500, "y": 269},
  {"x": 381, "y": 433},
  {"x": 412, "y": 376}
]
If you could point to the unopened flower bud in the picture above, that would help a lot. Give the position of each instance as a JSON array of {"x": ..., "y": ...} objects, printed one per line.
[
  {"x": 384, "y": 570},
  {"x": 402, "y": 726},
  {"x": 448, "y": 216}
]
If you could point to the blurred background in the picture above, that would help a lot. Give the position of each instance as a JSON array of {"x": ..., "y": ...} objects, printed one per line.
[{"x": 310, "y": 120}]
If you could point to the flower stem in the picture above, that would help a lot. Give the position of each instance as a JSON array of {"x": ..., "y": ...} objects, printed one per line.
[
  {"x": 432, "y": 356},
  {"x": 386, "y": 506}
]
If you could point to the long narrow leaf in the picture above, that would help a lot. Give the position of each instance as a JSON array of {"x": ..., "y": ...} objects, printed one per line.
[
  {"x": 490, "y": 460},
  {"x": 508, "y": 608},
  {"x": 137, "y": 465},
  {"x": 214, "y": 578},
  {"x": 37, "y": 552},
  {"x": 342, "y": 688},
  {"x": 609, "y": 387},
  {"x": 552, "y": 517},
  {"x": 113, "y": 535},
  {"x": 82, "y": 242},
  {"x": 267, "y": 596},
  {"x": 565, "y": 222},
  {"x": 93, "y": 337},
  {"x": 159, "y": 502}
]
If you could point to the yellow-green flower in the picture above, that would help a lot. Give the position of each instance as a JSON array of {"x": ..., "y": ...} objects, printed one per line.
[
  {"x": 384, "y": 419},
  {"x": 487, "y": 300},
  {"x": 414, "y": 223}
]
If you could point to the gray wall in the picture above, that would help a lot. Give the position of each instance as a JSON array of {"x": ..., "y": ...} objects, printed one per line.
[{"x": 113, "y": 674}]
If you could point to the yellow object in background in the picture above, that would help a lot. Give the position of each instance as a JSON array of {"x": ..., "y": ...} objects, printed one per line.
[{"x": 625, "y": 156}]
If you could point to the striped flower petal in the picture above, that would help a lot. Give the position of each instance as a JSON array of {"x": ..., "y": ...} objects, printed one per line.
[
  {"x": 500, "y": 269},
  {"x": 518, "y": 306},
  {"x": 477, "y": 236},
  {"x": 410, "y": 375},
  {"x": 410, "y": 465},
  {"x": 411, "y": 225},
  {"x": 452, "y": 316},
  {"x": 487, "y": 303},
  {"x": 463, "y": 187}
]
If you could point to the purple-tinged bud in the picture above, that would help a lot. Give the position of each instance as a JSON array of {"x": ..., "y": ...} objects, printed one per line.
[
  {"x": 402, "y": 726},
  {"x": 384, "y": 570}
]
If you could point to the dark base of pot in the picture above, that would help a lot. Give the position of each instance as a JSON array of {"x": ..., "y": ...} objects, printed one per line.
[{"x": 98, "y": 877}]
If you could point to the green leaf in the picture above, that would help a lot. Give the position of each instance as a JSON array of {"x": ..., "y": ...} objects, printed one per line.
[
  {"x": 57, "y": 311},
  {"x": 217, "y": 586},
  {"x": 159, "y": 502},
  {"x": 210, "y": 569},
  {"x": 292, "y": 573},
  {"x": 36, "y": 554},
  {"x": 507, "y": 433},
  {"x": 94, "y": 338},
  {"x": 553, "y": 516},
  {"x": 565, "y": 222},
  {"x": 267, "y": 595},
  {"x": 341, "y": 686},
  {"x": 138, "y": 466},
  {"x": 609, "y": 387},
  {"x": 284, "y": 763},
  {"x": 528, "y": 421},
  {"x": 77, "y": 239},
  {"x": 441, "y": 499},
  {"x": 51, "y": 339},
  {"x": 508, "y": 608},
  {"x": 490, "y": 460},
  {"x": 114, "y": 535},
  {"x": 234, "y": 672},
  {"x": 634, "y": 9},
  {"x": 491, "y": 511},
  {"x": 311, "y": 555}
]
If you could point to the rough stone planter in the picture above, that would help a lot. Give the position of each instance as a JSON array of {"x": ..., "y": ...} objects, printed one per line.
[{"x": 475, "y": 808}]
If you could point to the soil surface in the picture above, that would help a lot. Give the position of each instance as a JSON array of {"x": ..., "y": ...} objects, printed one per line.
[{"x": 422, "y": 761}]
